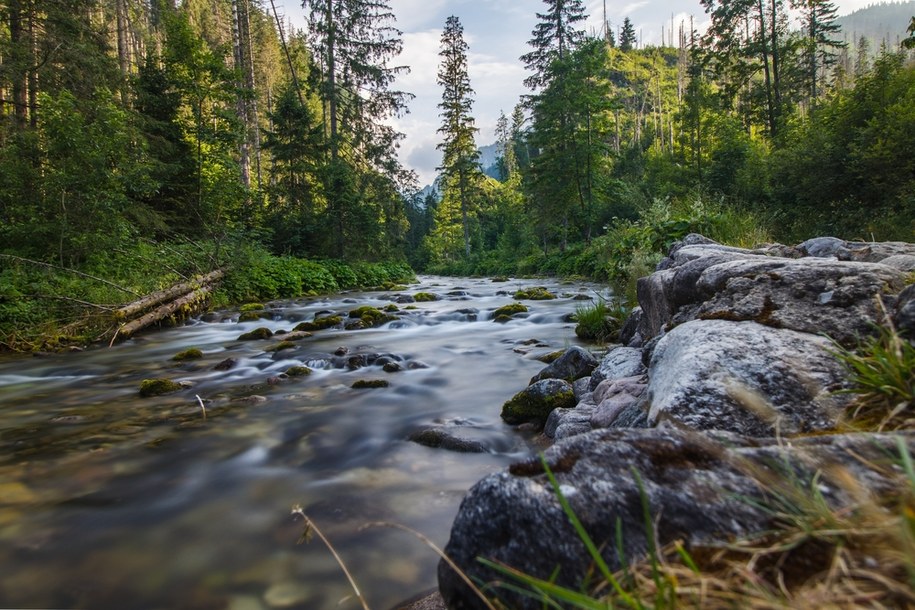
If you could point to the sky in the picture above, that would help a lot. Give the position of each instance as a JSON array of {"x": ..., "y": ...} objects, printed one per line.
[{"x": 497, "y": 33}]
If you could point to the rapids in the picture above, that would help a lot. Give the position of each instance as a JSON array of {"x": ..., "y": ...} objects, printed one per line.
[{"x": 110, "y": 500}]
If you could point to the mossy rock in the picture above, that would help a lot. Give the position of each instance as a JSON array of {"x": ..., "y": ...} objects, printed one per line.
[
  {"x": 500, "y": 279},
  {"x": 393, "y": 287},
  {"x": 370, "y": 316},
  {"x": 192, "y": 353},
  {"x": 257, "y": 334},
  {"x": 426, "y": 297},
  {"x": 251, "y": 316},
  {"x": 392, "y": 308},
  {"x": 537, "y": 293},
  {"x": 282, "y": 345},
  {"x": 298, "y": 371},
  {"x": 411, "y": 307},
  {"x": 535, "y": 402},
  {"x": 370, "y": 384},
  {"x": 320, "y": 324},
  {"x": 503, "y": 314},
  {"x": 606, "y": 330},
  {"x": 247, "y": 307},
  {"x": 158, "y": 387},
  {"x": 551, "y": 357}
]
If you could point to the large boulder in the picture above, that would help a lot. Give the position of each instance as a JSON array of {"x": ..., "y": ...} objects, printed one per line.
[
  {"x": 745, "y": 378},
  {"x": 699, "y": 489}
]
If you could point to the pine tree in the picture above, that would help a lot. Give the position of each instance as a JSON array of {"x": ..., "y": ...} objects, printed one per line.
[
  {"x": 505, "y": 149},
  {"x": 460, "y": 157},
  {"x": 354, "y": 43},
  {"x": 821, "y": 48},
  {"x": 555, "y": 36},
  {"x": 627, "y": 36}
]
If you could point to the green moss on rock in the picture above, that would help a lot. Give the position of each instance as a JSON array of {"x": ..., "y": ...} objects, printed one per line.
[
  {"x": 257, "y": 334},
  {"x": 247, "y": 307},
  {"x": 298, "y": 371},
  {"x": 425, "y": 297},
  {"x": 369, "y": 384},
  {"x": 534, "y": 403},
  {"x": 251, "y": 316},
  {"x": 158, "y": 387},
  {"x": 192, "y": 353},
  {"x": 537, "y": 293},
  {"x": 282, "y": 345},
  {"x": 320, "y": 324},
  {"x": 503, "y": 314},
  {"x": 370, "y": 316}
]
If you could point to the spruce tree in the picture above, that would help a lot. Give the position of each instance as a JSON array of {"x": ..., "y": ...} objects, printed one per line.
[
  {"x": 822, "y": 46},
  {"x": 555, "y": 37},
  {"x": 627, "y": 36},
  {"x": 460, "y": 157}
]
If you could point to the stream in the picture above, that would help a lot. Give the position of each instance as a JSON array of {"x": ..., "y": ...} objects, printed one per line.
[{"x": 111, "y": 500}]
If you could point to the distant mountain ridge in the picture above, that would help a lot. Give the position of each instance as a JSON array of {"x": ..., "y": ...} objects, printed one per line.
[{"x": 879, "y": 23}]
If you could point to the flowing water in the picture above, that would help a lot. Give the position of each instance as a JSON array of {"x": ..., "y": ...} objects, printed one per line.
[{"x": 110, "y": 500}]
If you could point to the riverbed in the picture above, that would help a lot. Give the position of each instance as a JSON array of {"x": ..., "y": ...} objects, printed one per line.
[{"x": 111, "y": 500}]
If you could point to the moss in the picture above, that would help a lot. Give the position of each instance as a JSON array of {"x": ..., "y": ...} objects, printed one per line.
[
  {"x": 370, "y": 316},
  {"x": 298, "y": 371},
  {"x": 525, "y": 406},
  {"x": 251, "y": 316},
  {"x": 392, "y": 287},
  {"x": 282, "y": 345},
  {"x": 425, "y": 297},
  {"x": 256, "y": 335},
  {"x": 551, "y": 357},
  {"x": 500, "y": 278},
  {"x": 192, "y": 353},
  {"x": 158, "y": 387},
  {"x": 320, "y": 324},
  {"x": 392, "y": 308},
  {"x": 503, "y": 314},
  {"x": 369, "y": 384},
  {"x": 252, "y": 307},
  {"x": 537, "y": 293}
]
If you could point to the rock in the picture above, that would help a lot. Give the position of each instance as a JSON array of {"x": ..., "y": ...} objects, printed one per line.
[
  {"x": 257, "y": 334},
  {"x": 319, "y": 324},
  {"x": 286, "y": 594},
  {"x": 630, "y": 328},
  {"x": 438, "y": 438},
  {"x": 392, "y": 367},
  {"x": 534, "y": 403},
  {"x": 226, "y": 365},
  {"x": 825, "y": 247},
  {"x": 298, "y": 371},
  {"x": 618, "y": 363},
  {"x": 745, "y": 378},
  {"x": 426, "y": 297},
  {"x": 536, "y": 293},
  {"x": 370, "y": 316},
  {"x": 370, "y": 384},
  {"x": 812, "y": 295},
  {"x": 192, "y": 353},
  {"x": 563, "y": 423},
  {"x": 574, "y": 364},
  {"x": 426, "y": 601},
  {"x": 903, "y": 262},
  {"x": 699, "y": 489},
  {"x": 158, "y": 387},
  {"x": 614, "y": 397},
  {"x": 506, "y": 312},
  {"x": 904, "y": 313}
]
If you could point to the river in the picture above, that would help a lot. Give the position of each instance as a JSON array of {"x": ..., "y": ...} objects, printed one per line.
[{"x": 110, "y": 500}]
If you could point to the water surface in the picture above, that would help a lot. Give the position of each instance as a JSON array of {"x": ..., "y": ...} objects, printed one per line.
[{"x": 109, "y": 500}]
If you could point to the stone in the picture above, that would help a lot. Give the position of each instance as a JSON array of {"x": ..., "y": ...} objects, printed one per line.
[
  {"x": 824, "y": 247},
  {"x": 809, "y": 295},
  {"x": 258, "y": 334},
  {"x": 192, "y": 353},
  {"x": 370, "y": 384},
  {"x": 226, "y": 365},
  {"x": 158, "y": 387},
  {"x": 746, "y": 378},
  {"x": 534, "y": 403},
  {"x": 701, "y": 489},
  {"x": 618, "y": 363},
  {"x": 904, "y": 313},
  {"x": 903, "y": 262},
  {"x": 574, "y": 363},
  {"x": 439, "y": 438},
  {"x": 286, "y": 594}
]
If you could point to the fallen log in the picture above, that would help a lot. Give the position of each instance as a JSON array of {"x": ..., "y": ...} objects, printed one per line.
[
  {"x": 189, "y": 300},
  {"x": 137, "y": 307}
]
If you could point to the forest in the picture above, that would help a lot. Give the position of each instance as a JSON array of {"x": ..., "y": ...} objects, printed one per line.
[{"x": 144, "y": 142}]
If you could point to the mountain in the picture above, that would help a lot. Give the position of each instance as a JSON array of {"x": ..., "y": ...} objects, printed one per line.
[{"x": 885, "y": 22}]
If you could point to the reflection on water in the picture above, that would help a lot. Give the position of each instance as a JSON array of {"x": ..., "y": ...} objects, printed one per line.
[{"x": 109, "y": 500}]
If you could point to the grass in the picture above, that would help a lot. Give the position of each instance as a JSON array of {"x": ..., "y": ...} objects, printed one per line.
[
  {"x": 882, "y": 379},
  {"x": 600, "y": 321}
]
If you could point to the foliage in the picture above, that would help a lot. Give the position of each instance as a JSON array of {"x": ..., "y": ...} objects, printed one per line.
[
  {"x": 600, "y": 321},
  {"x": 882, "y": 379}
]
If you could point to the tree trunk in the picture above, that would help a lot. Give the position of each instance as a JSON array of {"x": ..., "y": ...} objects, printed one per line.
[
  {"x": 764, "y": 50},
  {"x": 241, "y": 105}
]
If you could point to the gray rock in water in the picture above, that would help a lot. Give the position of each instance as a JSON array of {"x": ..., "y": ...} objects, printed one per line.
[
  {"x": 746, "y": 378},
  {"x": 574, "y": 364},
  {"x": 438, "y": 438},
  {"x": 698, "y": 488}
]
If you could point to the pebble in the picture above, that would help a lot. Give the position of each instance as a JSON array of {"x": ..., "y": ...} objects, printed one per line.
[{"x": 286, "y": 594}]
